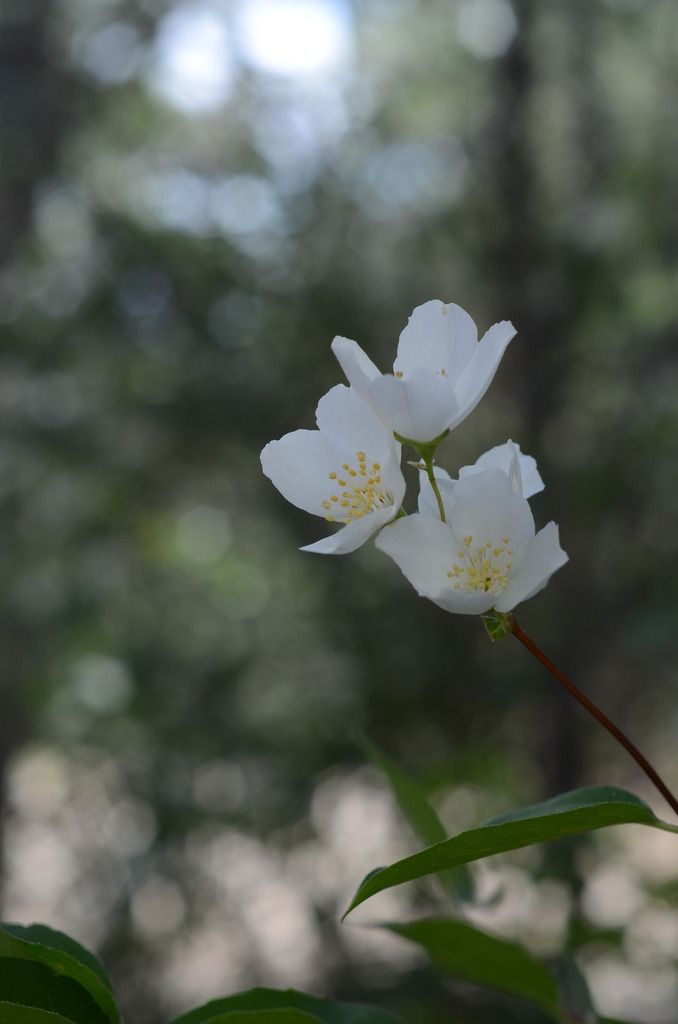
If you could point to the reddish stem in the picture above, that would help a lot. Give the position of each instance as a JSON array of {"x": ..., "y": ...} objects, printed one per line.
[{"x": 594, "y": 710}]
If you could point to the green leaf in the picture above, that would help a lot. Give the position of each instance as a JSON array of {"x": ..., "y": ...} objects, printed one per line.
[
  {"x": 264, "y": 1017},
  {"x": 62, "y": 976},
  {"x": 268, "y": 999},
  {"x": 10, "y": 1013},
  {"x": 420, "y": 816},
  {"x": 582, "y": 810},
  {"x": 463, "y": 951},
  {"x": 575, "y": 992},
  {"x": 35, "y": 985},
  {"x": 58, "y": 940},
  {"x": 409, "y": 796}
]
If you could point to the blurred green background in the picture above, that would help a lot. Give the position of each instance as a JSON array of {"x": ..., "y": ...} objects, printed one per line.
[{"x": 195, "y": 198}]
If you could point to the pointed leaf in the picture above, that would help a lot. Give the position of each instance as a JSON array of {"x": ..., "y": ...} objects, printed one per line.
[
  {"x": 58, "y": 940},
  {"x": 576, "y": 995},
  {"x": 268, "y": 999},
  {"x": 10, "y": 1013},
  {"x": 61, "y": 970},
  {"x": 582, "y": 810},
  {"x": 463, "y": 951},
  {"x": 409, "y": 796},
  {"x": 264, "y": 1017},
  {"x": 36, "y": 986},
  {"x": 420, "y": 816}
]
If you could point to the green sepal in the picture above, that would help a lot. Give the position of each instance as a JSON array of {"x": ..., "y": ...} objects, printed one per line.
[
  {"x": 425, "y": 449},
  {"x": 497, "y": 624}
]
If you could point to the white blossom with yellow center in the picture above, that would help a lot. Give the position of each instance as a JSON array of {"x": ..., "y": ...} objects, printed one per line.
[
  {"x": 486, "y": 555},
  {"x": 347, "y": 471},
  {"x": 440, "y": 373}
]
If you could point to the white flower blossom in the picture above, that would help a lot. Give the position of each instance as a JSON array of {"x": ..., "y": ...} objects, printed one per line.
[
  {"x": 487, "y": 555},
  {"x": 521, "y": 470},
  {"x": 440, "y": 373},
  {"x": 347, "y": 471}
]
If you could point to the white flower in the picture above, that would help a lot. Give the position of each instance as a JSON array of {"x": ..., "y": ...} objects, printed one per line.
[
  {"x": 485, "y": 556},
  {"x": 348, "y": 470},
  {"x": 521, "y": 470},
  {"x": 440, "y": 374}
]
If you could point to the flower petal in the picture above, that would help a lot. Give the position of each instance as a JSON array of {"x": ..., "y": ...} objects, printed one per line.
[
  {"x": 355, "y": 363},
  {"x": 486, "y": 508},
  {"x": 351, "y": 536},
  {"x": 500, "y": 458},
  {"x": 418, "y": 407},
  {"x": 478, "y": 375},
  {"x": 355, "y": 429},
  {"x": 437, "y": 337},
  {"x": 423, "y": 548},
  {"x": 542, "y": 558},
  {"x": 464, "y": 602},
  {"x": 299, "y": 465},
  {"x": 428, "y": 505},
  {"x": 354, "y": 426}
]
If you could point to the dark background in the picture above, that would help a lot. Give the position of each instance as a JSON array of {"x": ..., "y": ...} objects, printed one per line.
[{"x": 195, "y": 198}]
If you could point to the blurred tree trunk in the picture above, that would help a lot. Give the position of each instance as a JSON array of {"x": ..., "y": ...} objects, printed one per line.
[
  {"x": 31, "y": 118},
  {"x": 538, "y": 289},
  {"x": 533, "y": 291},
  {"x": 31, "y": 113}
]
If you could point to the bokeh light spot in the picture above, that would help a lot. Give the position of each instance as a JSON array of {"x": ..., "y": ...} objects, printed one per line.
[
  {"x": 293, "y": 37},
  {"x": 192, "y": 67},
  {"x": 486, "y": 28}
]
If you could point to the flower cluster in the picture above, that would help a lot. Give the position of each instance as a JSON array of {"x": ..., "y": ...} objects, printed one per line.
[{"x": 472, "y": 545}]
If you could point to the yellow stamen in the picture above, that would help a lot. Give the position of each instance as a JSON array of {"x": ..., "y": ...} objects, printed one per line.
[
  {"x": 362, "y": 494},
  {"x": 485, "y": 569}
]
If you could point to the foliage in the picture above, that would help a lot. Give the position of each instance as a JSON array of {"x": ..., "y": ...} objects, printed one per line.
[
  {"x": 582, "y": 810},
  {"x": 180, "y": 687},
  {"x": 41, "y": 985}
]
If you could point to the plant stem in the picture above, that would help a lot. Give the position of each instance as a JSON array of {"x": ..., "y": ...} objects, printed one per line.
[
  {"x": 428, "y": 462},
  {"x": 594, "y": 710},
  {"x": 426, "y": 451}
]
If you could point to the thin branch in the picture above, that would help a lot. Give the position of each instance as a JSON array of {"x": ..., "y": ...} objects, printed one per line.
[{"x": 594, "y": 710}]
